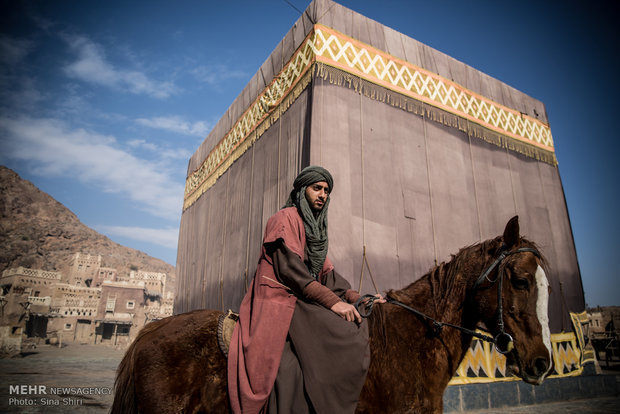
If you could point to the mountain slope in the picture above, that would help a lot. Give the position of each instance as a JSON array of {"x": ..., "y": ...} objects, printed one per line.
[{"x": 38, "y": 232}]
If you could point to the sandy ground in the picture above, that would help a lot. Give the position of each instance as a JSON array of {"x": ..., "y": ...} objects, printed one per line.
[
  {"x": 86, "y": 372},
  {"x": 80, "y": 379}
]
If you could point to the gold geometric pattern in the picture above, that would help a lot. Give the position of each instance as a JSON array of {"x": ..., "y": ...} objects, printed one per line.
[
  {"x": 335, "y": 49},
  {"x": 579, "y": 321},
  {"x": 566, "y": 354},
  {"x": 483, "y": 364},
  {"x": 273, "y": 95}
]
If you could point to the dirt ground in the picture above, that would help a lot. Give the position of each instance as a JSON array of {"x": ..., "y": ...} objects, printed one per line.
[
  {"x": 75, "y": 378},
  {"x": 80, "y": 379}
]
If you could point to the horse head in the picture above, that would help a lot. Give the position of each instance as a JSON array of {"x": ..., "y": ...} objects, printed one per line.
[{"x": 511, "y": 298}]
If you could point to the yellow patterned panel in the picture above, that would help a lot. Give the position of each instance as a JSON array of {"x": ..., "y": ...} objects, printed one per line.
[
  {"x": 482, "y": 363},
  {"x": 579, "y": 321},
  {"x": 566, "y": 354},
  {"x": 334, "y": 48},
  {"x": 476, "y": 360}
]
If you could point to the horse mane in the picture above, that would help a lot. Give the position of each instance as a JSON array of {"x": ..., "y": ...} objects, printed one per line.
[
  {"x": 447, "y": 280},
  {"x": 445, "y": 277}
]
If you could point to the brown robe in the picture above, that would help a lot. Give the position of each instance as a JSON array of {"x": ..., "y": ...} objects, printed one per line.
[{"x": 285, "y": 317}]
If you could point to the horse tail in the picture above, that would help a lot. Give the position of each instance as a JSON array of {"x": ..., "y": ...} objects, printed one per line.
[{"x": 124, "y": 385}]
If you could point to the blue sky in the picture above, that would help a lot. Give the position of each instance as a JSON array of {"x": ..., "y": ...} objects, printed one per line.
[{"x": 103, "y": 103}]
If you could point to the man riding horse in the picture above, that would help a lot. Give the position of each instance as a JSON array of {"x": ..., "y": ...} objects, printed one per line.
[
  {"x": 300, "y": 345},
  {"x": 292, "y": 354}
]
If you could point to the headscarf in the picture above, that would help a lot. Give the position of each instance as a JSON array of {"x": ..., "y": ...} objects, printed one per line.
[{"x": 316, "y": 227}]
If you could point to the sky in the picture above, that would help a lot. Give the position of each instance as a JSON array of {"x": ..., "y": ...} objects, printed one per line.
[{"x": 102, "y": 103}]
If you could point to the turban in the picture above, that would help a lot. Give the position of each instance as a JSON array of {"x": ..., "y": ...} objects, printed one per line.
[
  {"x": 316, "y": 227},
  {"x": 311, "y": 175}
]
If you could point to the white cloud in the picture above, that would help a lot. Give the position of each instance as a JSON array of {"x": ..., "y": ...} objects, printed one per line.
[
  {"x": 17, "y": 89},
  {"x": 13, "y": 50},
  {"x": 165, "y": 153},
  {"x": 92, "y": 158},
  {"x": 19, "y": 93},
  {"x": 91, "y": 66},
  {"x": 176, "y": 124},
  {"x": 176, "y": 154},
  {"x": 167, "y": 237},
  {"x": 213, "y": 75},
  {"x": 140, "y": 143}
]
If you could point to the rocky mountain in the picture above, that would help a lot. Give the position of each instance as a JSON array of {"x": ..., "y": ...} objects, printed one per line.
[{"x": 38, "y": 232}]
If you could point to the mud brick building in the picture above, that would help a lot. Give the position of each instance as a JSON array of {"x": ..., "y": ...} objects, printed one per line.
[{"x": 89, "y": 304}]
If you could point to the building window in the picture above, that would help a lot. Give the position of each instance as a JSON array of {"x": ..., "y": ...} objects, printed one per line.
[
  {"x": 131, "y": 304},
  {"x": 68, "y": 326},
  {"x": 111, "y": 303}
]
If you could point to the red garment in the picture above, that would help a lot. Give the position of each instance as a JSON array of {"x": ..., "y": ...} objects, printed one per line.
[{"x": 264, "y": 318}]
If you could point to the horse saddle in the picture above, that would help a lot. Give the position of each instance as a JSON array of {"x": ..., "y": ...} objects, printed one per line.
[{"x": 225, "y": 326}]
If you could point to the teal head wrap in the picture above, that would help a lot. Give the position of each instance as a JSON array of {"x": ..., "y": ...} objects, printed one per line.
[{"x": 316, "y": 227}]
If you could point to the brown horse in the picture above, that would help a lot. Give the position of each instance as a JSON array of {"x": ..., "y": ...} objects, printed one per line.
[{"x": 175, "y": 365}]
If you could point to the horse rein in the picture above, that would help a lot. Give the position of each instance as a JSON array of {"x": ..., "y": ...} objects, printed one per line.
[{"x": 503, "y": 342}]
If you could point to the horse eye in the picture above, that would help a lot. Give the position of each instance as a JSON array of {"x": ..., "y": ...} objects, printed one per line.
[{"x": 521, "y": 283}]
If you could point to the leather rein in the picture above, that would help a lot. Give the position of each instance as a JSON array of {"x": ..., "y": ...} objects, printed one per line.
[{"x": 503, "y": 341}]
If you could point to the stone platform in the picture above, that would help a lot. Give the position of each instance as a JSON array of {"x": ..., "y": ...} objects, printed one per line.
[{"x": 501, "y": 395}]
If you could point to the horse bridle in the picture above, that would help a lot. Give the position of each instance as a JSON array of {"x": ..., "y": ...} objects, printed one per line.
[{"x": 503, "y": 342}]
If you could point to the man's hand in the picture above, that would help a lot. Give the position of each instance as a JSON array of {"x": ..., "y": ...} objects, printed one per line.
[
  {"x": 347, "y": 311},
  {"x": 380, "y": 298}
]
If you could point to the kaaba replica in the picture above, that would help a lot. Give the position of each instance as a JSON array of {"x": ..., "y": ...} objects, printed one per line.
[{"x": 428, "y": 155}]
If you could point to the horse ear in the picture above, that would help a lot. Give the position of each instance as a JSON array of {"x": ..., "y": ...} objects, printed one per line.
[{"x": 511, "y": 232}]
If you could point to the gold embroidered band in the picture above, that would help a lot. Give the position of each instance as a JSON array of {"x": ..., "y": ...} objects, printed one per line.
[{"x": 472, "y": 113}]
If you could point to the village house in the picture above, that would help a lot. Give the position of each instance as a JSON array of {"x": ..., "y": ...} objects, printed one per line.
[
  {"x": 84, "y": 268},
  {"x": 90, "y": 304},
  {"x": 604, "y": 332},
  {"x": 72, "y": 311},
  {"x": 121, "y": 307},
  {"x": 25, "y": 303},
  {"x": 105, "y": 274}
]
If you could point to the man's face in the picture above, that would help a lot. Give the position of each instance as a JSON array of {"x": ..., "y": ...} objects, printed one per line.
[{"x": 316, "y": 195}]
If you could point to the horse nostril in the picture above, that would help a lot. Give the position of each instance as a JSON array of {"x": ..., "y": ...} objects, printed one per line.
[{"x": 541, "y": 366}]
